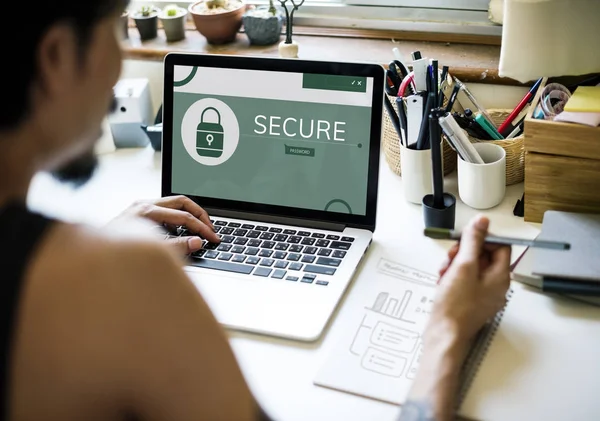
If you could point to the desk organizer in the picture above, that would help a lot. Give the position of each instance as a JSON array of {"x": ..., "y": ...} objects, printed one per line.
[
  {"x": 514, "y": 148},
  {"x": 562, "y": 166},
  {"x": 391, "y": 146}
]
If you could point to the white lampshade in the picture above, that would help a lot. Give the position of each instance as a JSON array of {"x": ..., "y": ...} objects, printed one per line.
[{"x": 550, "y": 38}]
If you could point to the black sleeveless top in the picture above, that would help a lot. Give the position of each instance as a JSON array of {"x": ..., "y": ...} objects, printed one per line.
[{"x": 20, "y": 233}]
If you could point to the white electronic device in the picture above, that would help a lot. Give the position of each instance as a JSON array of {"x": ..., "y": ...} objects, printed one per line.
[{"x": 133, "y": 110}]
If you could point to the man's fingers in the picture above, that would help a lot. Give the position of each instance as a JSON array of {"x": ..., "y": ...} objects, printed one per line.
[
  {"x": 186, "y": 204},
  {"x": 195, "y": 209},
  {"x": 186, "y": 245},
  {"x": 177, "y": 217},
  {"x": 472, "y": 239},
  {"x": 499, "y": 268}
]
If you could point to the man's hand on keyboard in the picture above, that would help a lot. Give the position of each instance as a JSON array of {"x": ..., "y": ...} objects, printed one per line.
[{"x": 176, "y": 211}]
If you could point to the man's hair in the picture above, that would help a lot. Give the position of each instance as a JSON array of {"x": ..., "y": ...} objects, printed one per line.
[{"x": 23, "y": 44}]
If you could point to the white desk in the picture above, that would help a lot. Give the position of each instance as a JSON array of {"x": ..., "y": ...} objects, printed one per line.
[{"x": 280, "y": 372}]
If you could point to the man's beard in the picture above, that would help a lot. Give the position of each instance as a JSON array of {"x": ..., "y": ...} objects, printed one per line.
[{"x": 80, "y": 170}]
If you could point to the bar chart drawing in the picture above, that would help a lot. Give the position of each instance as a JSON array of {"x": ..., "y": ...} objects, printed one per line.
[
  {"x": 390, "y": 306},
  {"x": 380, "y": 356}
]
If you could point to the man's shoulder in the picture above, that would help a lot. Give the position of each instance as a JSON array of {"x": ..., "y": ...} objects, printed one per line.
[{"x": 75, "y": 251}]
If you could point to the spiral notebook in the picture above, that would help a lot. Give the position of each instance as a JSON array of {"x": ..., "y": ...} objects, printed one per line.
[
  {"x": 537, "y": 359},
  {"x": 380, "y": 356}
]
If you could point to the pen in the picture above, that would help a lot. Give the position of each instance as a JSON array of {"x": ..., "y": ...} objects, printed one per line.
[
  {"x": 435, "y": 84},
  {"x": 515, "y": 132},
  {"x": 526, "y": 100},
  {"x": 452, "y": 98},
  {"x": 445, "y": 70},
  {"x": 447, "y": 234},
  {"x": 472, "y": 98},
  {"x": 424, "y": 129},
  {"x": 436, "y": 158},
  {"x": 402, "y": 120},
  {"x": 393, "y": 116}
]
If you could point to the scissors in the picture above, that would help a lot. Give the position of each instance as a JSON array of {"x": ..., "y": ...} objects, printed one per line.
[
  {"x": 396, "y": 73},
  {"x": 392, "y": 83}
]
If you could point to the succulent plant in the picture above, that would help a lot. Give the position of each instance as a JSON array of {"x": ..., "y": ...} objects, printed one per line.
[{"x": 212, "y": 4}]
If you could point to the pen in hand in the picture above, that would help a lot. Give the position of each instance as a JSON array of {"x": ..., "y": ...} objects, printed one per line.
[{"x": 446, "y": 234}]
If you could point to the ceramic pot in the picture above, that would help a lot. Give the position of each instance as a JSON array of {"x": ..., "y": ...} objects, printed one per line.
[
  {"x": 147, "y": 25},
  {"x": 174, "y": 26},
  {"x": 261, "y": 27},
  {"x": 218, "y": 28}
]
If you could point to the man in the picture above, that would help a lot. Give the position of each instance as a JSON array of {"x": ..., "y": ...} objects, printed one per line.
[{"x": 105, "y": 325}]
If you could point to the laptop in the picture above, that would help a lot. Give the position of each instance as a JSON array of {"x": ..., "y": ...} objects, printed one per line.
[{"x": 284, "y": 156}]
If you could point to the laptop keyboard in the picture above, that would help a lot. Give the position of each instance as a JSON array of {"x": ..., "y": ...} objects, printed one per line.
[{"x": 271, "y": 252}]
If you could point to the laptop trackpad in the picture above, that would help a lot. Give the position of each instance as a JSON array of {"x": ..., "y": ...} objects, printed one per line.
[{"x": 269, "y": 306}]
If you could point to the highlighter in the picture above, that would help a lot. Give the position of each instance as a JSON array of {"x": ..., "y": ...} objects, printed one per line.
[{"x": 485, "y": 124}]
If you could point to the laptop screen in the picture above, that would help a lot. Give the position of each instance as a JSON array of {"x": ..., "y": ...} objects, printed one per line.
[{"x": 292, "y": 139}]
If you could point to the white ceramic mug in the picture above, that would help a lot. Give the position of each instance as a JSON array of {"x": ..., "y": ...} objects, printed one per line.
[
  {"x": 482, "y": 186},
  {"x": 416, "y": 171}
]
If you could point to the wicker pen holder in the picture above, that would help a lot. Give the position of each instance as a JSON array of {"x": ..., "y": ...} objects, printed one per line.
[
  {"x": 391, "y": 146},
  {"x": 515, "y": 149}
]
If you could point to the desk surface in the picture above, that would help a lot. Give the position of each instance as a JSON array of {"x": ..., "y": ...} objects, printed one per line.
[{"x": 281, "y": 372}]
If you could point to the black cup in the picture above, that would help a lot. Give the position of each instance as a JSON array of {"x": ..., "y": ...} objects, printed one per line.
[{"x": 439, "y": 217}]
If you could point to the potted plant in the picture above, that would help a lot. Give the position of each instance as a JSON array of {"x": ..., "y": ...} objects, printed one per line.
[
  {"x": 218, "y": 20},
  {"x": 288, "y": 48},
  {"x": 125, "y": 24},
  {"x": 173, "y": 21},
  {"x": 263, "y": 24},
  {"x": 146, "y": 20}
]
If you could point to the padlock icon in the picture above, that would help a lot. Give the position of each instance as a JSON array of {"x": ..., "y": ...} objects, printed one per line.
[{"x": 209, "y": 136}]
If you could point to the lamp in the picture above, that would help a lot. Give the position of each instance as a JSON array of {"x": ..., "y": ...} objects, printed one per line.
[{"x": 550, "y": 38}]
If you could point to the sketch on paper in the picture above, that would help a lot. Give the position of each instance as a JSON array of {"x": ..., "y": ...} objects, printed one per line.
[
  {"x": 388, "y": 339},
  {"x": 380, "y": 354}
]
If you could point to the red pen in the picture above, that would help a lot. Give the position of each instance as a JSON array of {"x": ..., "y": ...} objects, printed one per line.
[{"x": 526, "y": 100}]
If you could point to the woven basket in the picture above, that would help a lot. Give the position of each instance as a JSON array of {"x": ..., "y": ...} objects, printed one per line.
[
  {"x": 515, "y": 149},
  {"x": 391, "y": 146}
]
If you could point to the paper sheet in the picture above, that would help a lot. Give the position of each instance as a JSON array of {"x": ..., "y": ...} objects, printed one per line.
[{"x": 379, "y": 357}]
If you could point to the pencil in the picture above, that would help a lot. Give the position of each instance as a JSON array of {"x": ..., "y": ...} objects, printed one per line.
[{"x": 446, "y": 234}]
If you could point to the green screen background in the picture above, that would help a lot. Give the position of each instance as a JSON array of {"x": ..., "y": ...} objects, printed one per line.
[{"x": 260, "y": 171}]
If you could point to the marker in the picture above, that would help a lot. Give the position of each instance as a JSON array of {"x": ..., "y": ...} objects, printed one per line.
[
  {"x": 526, "y": 100},
  {"x": 489, "y": 128},
  {"x": 446, "y": 234},
  {"x": 420, "y": 68}
]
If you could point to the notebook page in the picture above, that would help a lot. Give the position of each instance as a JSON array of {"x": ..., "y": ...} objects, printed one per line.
[
  {"x": 379, "y": 356},
  {"x": 543, "y": 363}
]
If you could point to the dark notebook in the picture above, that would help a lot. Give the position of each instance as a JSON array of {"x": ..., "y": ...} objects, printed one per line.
[{"x": 582, "y": 261}]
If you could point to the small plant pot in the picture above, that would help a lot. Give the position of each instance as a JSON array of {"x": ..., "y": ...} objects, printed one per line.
[
  {"x": 147, "y": 25},
  {"x": 125, "y": 25},
  {"x": 218, "y": 26},
  {"x": 261, "y": 27},
  {"x": 174, "y": 25},
  {"x": 288, "y": 50}
]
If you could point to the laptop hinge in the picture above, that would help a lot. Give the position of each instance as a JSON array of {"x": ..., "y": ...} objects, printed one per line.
[{"x": 282, "y": 220}]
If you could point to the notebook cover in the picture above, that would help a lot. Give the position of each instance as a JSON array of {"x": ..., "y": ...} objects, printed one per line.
[{"x": 581, "y": 261}]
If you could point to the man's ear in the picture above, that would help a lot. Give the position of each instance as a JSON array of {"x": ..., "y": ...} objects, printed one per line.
[{"x": 57, "y": 60}]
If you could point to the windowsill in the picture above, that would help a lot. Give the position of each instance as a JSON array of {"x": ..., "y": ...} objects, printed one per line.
[{"x": 469, "y": 62}]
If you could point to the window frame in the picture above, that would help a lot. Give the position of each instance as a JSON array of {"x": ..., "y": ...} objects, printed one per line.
[{"x": 470, "y": 17}]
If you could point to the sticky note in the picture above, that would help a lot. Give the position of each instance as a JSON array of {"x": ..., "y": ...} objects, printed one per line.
[{"x": 585, "y": 99}]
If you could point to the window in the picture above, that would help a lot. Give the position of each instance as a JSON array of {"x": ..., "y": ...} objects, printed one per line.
[{"x": 441, "y": 16}]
